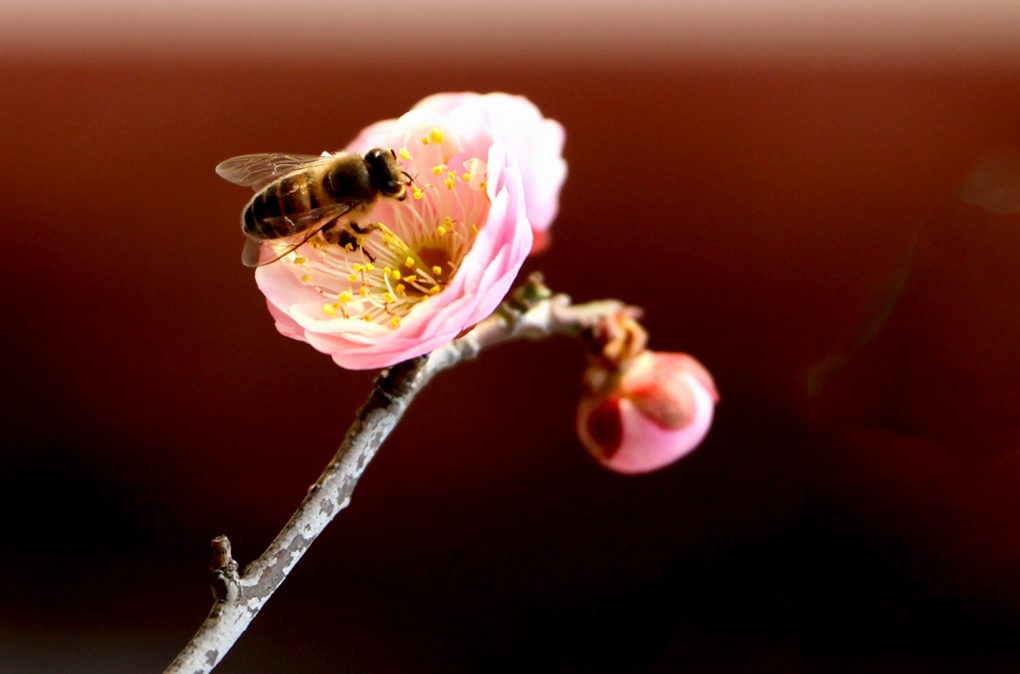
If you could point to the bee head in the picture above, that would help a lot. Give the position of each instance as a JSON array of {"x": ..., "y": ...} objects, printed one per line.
[{"x": 386, "y": 172}]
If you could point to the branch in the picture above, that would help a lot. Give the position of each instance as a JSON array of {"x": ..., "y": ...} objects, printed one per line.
[{"x": 532, "y": 312}]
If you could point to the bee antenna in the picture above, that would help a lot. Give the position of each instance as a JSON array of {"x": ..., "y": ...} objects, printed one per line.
[{"x": 410, "y": 178}]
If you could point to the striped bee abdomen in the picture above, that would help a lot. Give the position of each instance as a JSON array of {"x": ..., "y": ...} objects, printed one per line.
[{"x": 293, "y": 195}]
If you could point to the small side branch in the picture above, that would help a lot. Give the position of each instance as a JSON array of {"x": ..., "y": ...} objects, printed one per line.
[{"x": 532, "y": 312}]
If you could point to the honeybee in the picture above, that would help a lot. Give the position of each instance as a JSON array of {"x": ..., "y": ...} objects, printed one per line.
[{"x": 298, "y": 196}]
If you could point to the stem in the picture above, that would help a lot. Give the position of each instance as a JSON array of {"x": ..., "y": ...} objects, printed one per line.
[{"x": 530, "y": 313}]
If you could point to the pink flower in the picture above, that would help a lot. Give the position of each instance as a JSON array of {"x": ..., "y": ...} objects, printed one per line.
[
  {"x": 434, "y": 264},
  {"x": 536, "y": 141},
  {"x": 646, "y": 417}
]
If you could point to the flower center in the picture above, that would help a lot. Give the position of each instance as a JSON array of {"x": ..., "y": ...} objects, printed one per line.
[{"x": 407, "y": 251}]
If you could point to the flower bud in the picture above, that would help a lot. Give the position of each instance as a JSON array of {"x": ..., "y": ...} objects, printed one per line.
[{"x": 647, "y": 415}]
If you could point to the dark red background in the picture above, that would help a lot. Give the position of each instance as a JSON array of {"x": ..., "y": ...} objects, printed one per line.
[{"x": 853, "y": 509}]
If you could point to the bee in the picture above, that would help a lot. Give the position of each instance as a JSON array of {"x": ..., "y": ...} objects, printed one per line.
[{"x": 298, "y": 196}]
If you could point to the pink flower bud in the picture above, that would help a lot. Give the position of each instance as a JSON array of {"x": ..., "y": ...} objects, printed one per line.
[{"x": 647, "y": 416}]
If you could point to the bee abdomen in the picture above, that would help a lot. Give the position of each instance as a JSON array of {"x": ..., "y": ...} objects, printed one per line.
[{"x": 291, "y": 195}]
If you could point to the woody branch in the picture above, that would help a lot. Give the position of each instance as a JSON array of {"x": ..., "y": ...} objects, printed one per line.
[{"x": 531, "y": 312}]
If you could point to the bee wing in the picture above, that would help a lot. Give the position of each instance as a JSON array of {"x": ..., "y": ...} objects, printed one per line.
[
  {"x": 258, "y": 170},
  {"x": 306, "y": 224}
]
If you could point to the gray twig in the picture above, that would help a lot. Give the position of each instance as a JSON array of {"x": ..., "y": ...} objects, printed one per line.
[{"x": 532, "y": 312}]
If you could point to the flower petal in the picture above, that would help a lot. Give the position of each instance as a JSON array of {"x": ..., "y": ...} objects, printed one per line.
[{"x": 318, "y": 294}]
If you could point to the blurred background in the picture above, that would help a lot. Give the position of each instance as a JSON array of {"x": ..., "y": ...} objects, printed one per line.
[{"x": 815, "y": 199}]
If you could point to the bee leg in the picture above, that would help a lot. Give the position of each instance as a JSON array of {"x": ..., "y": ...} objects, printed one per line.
[
  {"x": 362, "y": 229},
  {"x": 345, "y": 239},
  {"x": 330, "y": 234},
  {"x": 350, "y": 242}
]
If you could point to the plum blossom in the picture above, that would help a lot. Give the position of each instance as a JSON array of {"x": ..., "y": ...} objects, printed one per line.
[
  {"x": 642, "y": 410},
  {"x": 536, "y": 141},
  {"x": 423, "y": 270}
]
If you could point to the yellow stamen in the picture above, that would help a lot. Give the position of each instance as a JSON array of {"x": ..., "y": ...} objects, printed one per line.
[
  {"x": 363, "y": 291},
  {"x": 369, "y": 267},
  {"x": 395, "y": 322},
  {"x": 425, "y": 140},
  {"x": 411, "y": 279},
  {"x": 400, "y": 288},
  {"x": 441, "y": 230},
  {"x": 356, "y": 267},
  {"x": 417, "y": 193},
  {"x": 352, "y": 277},
  {"x": 437, "y": 135},
  {"x": 404, "y": 154},
  {"x": 345, "y": 297},
  {"x": 449, "y": 183},
  {"x": 482, "y": 185},
  {"x": 438, "y": 169},
  {"x": 434, "y": 290},
  {"x": 300, "y": 260},
  {"x": 388, "y": 297},
  {"x": 395, "y": 274},
  {"x": 474, "y": 229},
  {"x": 467, "y": 177},
  {"x": 437, "y": 270},
  {"x": 409, "y": 262},
  {"x": 329, "y": 310},
  {"x": 306, "y": 278}
]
